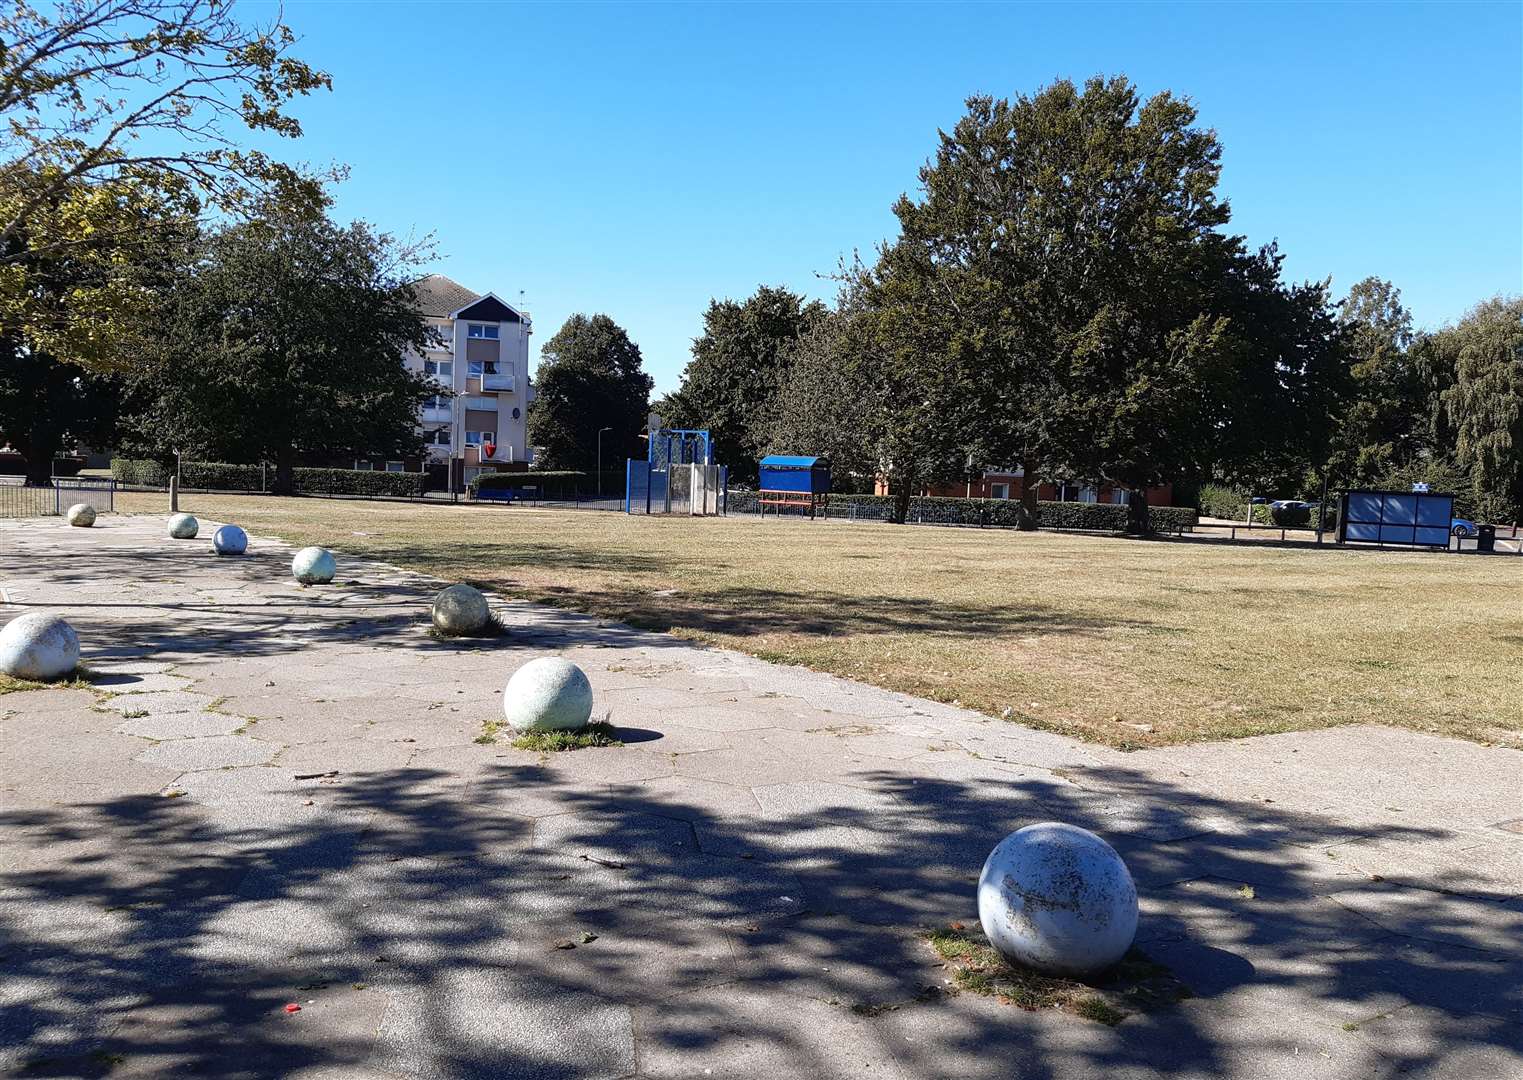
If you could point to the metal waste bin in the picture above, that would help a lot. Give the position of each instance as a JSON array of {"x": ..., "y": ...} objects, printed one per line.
[{"x": 1486, "y": 538}]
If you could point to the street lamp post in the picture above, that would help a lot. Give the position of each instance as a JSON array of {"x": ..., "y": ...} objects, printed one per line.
[{"x": 600, "y": 459}]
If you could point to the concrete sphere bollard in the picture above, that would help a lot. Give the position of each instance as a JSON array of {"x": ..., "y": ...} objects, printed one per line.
[
  {"x": 1059, "y": 899},
  {"x": 548, "y": 694},
  {"x": 313, "y": 566},
  {"x": 461, "y": 609},
  {"x": 230, "y": 540},
  {"x": 183, "y": 527},
  {"x": 38, "y": 646},
  {"x": 81, "y": 515}
]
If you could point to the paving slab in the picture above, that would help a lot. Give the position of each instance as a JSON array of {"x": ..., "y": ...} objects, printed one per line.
[{"x": 290, "y": 796}]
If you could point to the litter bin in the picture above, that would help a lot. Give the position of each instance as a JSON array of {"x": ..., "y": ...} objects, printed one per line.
[{"x": 1486, "y": 538}]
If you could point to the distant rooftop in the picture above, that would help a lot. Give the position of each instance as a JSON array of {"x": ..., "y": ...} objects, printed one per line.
[{"x": 439, "y": 295}]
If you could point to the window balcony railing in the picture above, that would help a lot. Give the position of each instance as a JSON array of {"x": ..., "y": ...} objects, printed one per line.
[
  {"x": 436, "y": 412},
  {"x": 497, "y": 382}
]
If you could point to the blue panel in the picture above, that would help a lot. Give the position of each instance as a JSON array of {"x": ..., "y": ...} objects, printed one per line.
[
  {"x": 1400, "y": 509},
  {"x": 1435, "y": 510},
  {"x": 792, "y": 461},
  {"x": 1396, "y": 534},
  {"x": 1363, "y": 506},
  {"x": 1438, "y": 537},
  {"x": 783, "y": 479},
  {"x": 658, "y": 491},
  {"x": 1363, "y": 531}
]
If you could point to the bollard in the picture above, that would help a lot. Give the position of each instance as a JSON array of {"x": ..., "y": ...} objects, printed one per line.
[{"x": 174, "y": 494}]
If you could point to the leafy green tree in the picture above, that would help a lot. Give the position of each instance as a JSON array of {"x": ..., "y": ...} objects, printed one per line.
[
  {"x": 738, "y": 366},
  {"x": 285, "y": 340},
  {"x": 136, "y": 101},
  {"x": 589, "y": 378},
  {"x": 1485, "y": 404}
]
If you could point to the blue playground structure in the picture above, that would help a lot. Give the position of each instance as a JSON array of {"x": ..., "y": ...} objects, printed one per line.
[
  {"x": 678, "y": 475},
  {"x": 789, "y": 480}
]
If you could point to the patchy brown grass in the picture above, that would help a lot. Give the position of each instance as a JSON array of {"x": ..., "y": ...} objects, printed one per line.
[
  {"x": 1136, "y": 984},
  {"x": 1125, "y": 642}
]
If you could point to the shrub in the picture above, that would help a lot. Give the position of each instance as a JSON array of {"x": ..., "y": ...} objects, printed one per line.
[
  {"x": 1218, "y": 501},
  {"x": 994, "y": 513},
  {"x": 1290, "y": 517},
  {"x": 140, "y": 472},
  {"x": 548, "y": 478},
  {"x": 219, "y": 477},
  {"x": 359, "y": 482}
]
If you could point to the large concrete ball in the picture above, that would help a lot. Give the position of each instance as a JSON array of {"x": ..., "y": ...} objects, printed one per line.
[
  {"x": 313, "y": 566},
  {"x": 183, "y": 527},
  {"x": 38, "y": 646},
  {"x": 1059, "y": 899},
  {"x": 230, "y": 540},
  {"x": 460, "y": 609},
  {"x": 82, "y": 515},
  {"x": 548, "y": 694}
]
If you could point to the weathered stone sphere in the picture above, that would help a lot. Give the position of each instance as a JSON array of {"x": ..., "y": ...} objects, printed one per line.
[
  {"x": 1059, "y": 899},
  {"x": 183, "y": 527},
  {"x": 548, "y": 694},
  {"x": 82, "y": 515},
  {"x": 313, "y": 566},
  {"x": 230, "y": 540},
  {"x": 461, "y": 609},
  {"x": 38, "y": 646}
]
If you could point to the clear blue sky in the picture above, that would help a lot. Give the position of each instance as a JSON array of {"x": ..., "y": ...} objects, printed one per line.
[{"x": 641, "y": 159}]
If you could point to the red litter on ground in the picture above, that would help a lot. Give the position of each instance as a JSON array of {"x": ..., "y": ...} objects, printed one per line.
[{"x": 293, "y": 1007}]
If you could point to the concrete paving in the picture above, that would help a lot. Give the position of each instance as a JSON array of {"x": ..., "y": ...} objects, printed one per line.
[{"x": 275, "y": 795}]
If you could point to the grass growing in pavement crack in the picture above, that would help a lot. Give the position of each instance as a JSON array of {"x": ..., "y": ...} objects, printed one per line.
[
  {"x": 598, "y": 734},
  {"x": 1136, "y": 984},
  {"x": 9, "y": 685}
]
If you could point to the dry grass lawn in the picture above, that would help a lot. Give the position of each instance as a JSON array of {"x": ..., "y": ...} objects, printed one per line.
[{"x": 1124, "y": 642}]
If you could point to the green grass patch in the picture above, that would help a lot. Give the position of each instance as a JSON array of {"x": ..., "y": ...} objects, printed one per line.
[
  {"x": 598, "y": 734},
  {"x": 1137, "y": 984},
  {"x": 9, "y": 685}
]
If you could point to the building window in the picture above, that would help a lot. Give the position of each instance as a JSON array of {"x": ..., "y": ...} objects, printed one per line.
[
  {"x": 1118, "y": 496},
  {"x": 363, "y": 466},
  {"x": 999, "y": 491},
  {"x": 395, "y": 466},
  {"x": 437, "y": 401},
  {"x": 476, "y": 438},
  {"x": 482, "y": 330},
  {"x": 477, "y": 368},
  {"x": 444, "y": 369},
  {"x": 444, "y": 338},
  {"x": 438, "y": 437},
  {"x": 1088, "y": 494}
]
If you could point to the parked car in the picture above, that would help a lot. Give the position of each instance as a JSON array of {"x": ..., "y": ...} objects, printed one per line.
[
  {"x": 1281, "y": 504},
  {"x": 1462, "y": 528}
]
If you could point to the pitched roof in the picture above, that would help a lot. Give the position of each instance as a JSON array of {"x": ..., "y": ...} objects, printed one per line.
[{"x": 439, "y": 295}]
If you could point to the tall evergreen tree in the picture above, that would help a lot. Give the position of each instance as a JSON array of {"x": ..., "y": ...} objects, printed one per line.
[
  {"x": 589, "y": 378},
  {"x": 1485, "y": 404}
]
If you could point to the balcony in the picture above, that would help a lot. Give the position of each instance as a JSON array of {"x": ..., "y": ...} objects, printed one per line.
[
  {"x": 497, "y": 382},
  {"x": 436, "y": 412},
  {"x": 501, "y": 452}
]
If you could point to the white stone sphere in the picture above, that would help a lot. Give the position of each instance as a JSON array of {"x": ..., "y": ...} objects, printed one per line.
[
  {"x": 230, "y": 540},
  {"x": 183, "y": 527},
  {"x": 313, "y": 566},
  {"x": 1059, "y": 899},
  {"x": 548, "y": 694},
  {"x": 38, "y": 646},
  {"x": 82, "y": 515},
  {"x": 461, "y": 609}
]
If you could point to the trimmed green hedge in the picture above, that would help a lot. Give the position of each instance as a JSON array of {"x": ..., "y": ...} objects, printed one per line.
[
  {"x": 219, "y": 476},
  {"x": 547, "y": 478},
  {"x": 995, "y": 513}
]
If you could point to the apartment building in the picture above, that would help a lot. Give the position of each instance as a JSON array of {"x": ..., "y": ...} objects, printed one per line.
[{"x": 481, "y": 355}]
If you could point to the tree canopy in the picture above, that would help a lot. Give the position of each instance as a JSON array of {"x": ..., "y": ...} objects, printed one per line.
[
  {"x": 589, "y": 378},
  {"x": 286, "y": 338}
]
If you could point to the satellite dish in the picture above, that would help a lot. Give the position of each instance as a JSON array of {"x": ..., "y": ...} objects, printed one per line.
[{"x": 653, "y": 423}]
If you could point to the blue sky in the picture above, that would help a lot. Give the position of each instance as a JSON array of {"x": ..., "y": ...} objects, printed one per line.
[{"x": 641, "y": 159}]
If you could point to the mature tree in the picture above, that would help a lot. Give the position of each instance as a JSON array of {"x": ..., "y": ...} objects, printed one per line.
[
  {"x": 589, "y": 378},
  {"x": 285, "y": 340},
  {"x": 1388, "y": 422},
  {"x": 1485, "y": 404},
  {"x": 738, "y": 365},
  {"x": 822, "y": 406}
]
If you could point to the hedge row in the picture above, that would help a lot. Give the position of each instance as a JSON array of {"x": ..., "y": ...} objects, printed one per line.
[
  {"x": 1100, "y": 517},
  {"x": 548, "y": 478},
  {"x": 219, "y": 476}
]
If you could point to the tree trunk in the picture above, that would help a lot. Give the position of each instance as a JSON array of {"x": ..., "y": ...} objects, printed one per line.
[
  {"x": 901, "y": 511},
  {"x": 40, "y": 447},
  {"x": 1138, "y": 523},
  {"x": 285, "y": 473},
  {"x": 1026, "y": 518}
]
